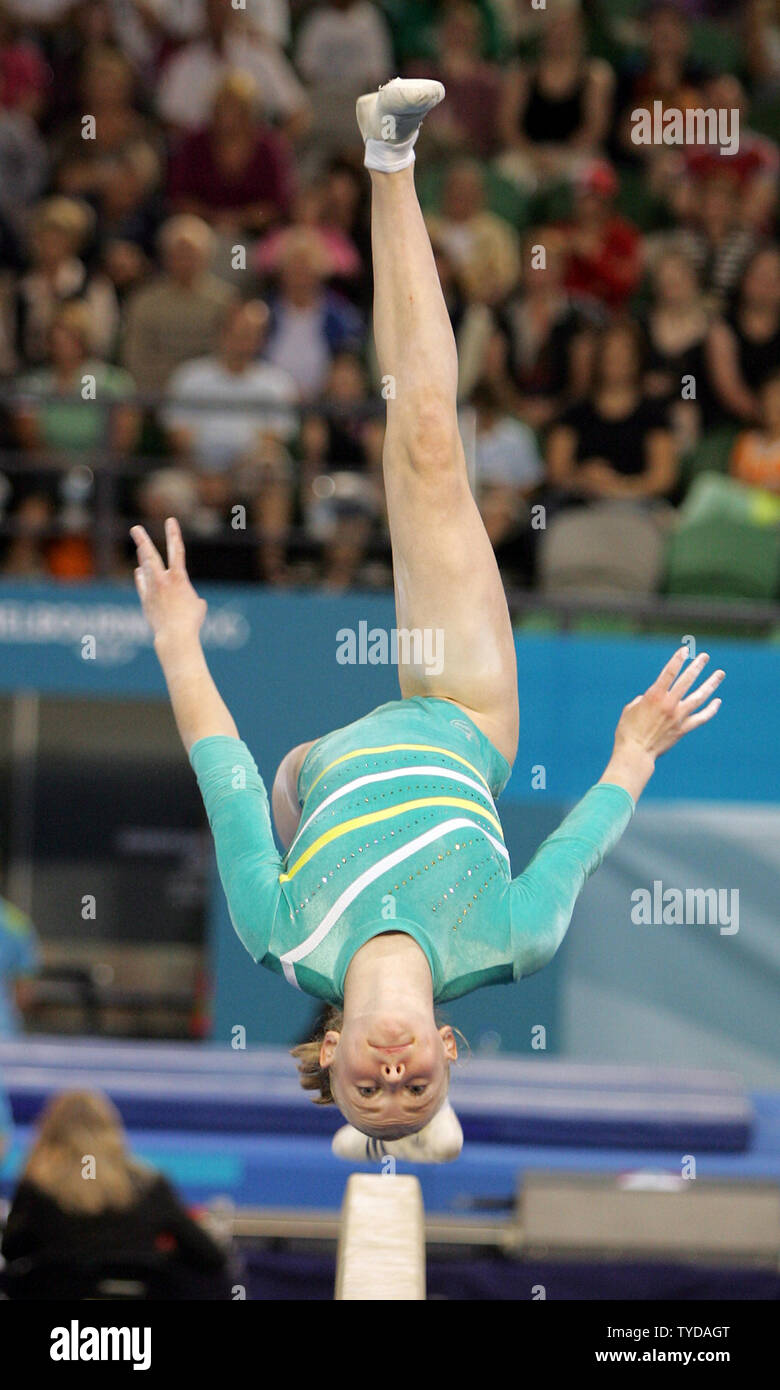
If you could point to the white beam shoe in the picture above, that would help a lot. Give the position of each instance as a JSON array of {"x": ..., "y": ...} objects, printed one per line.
[{"x": 390, "y": 120}]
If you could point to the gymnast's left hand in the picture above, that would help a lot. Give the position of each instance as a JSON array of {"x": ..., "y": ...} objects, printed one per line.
[
  {"x": 669, "y": 708},
  {"x": 168, "y": 599}
]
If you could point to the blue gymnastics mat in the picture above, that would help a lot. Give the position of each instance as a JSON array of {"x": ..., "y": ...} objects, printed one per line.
[{"x": 200, "y": 1088}]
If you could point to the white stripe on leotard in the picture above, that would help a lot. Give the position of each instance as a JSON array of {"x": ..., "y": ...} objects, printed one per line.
[
  {"x": 388, "y": 776},
  {"x": 289, "y": 959}
]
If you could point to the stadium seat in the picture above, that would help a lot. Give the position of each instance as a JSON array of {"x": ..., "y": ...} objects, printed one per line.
[
  {"x": 727, "y": 542},
  {"x": 710, "y": 455},
  {"x": 608, "y": 548}
]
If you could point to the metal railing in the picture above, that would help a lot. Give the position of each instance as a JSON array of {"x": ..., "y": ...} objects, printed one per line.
[{"x": 108, "y": 468}]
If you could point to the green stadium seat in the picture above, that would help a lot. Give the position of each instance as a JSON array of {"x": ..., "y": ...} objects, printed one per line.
[
  {"x": 727, "y": 542},
  {"x": 710, "y": 455}
]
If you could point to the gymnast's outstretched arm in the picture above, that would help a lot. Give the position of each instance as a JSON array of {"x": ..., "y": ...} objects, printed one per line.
[
  {"x": 233, "y": 792},
  {"x": 542, "y": 898}
]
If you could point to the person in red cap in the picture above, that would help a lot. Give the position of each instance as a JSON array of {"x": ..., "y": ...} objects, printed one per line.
[{"x": 604, "y": 259}]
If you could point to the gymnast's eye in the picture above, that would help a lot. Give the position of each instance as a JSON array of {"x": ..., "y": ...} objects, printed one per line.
[
  {"x": 419, "y": 1089},
  {"x": 366, "y": 1090}
]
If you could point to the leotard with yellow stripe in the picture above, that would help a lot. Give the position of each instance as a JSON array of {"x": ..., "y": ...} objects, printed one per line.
[{"x": 398, "y": 832}]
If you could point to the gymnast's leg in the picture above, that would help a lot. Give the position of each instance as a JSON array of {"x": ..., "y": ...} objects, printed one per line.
[{"x": 446, "y": 577}]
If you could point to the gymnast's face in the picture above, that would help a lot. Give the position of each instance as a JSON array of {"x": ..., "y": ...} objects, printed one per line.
[{"x": 389, "y": 1075}]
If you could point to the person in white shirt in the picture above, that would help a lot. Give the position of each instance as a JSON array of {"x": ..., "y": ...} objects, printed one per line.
[
  {"x": 507, "y": 465},
  {"x": 188, "y": 81},
  {"x": 238, "y": 454},
  {"x": 345, "y": 43}
]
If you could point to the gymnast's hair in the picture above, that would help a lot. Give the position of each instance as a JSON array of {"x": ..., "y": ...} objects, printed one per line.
[{"x": 315, "y": 1077}]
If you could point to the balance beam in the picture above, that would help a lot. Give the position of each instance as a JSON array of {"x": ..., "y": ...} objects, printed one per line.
[{"x": 381, "y": 1251}]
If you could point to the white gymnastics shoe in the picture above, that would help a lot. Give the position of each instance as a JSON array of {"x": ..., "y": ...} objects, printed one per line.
[
  {"x": 439, "y": 1141},
  {"x": 390, "y": 120}
]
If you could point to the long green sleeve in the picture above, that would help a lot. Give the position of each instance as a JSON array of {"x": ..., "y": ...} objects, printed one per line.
[
  {"x": 249, "y": 863},
  {"x": 542, "y": 898}
]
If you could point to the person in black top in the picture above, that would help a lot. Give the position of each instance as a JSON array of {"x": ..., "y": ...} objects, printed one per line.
[
  {"x": 557, "y": 111},
  {"x": 676, "y": 323},
  {"x": 544, "y": 361},
  {"x": 84, "y": 1208},
  {"x": 743, "y": 348},
  {"x": 617, "y": 443}
]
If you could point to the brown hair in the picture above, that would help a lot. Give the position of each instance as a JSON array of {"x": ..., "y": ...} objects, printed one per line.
[
  {"x": 73, "y": 1127},
  {"x": 313, "y": 1076}
]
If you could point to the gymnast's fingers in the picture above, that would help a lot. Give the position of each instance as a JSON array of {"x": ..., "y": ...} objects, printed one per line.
[
  {"x": 175, "y": 544},
  {"x": 686, "y": 678},
  {"x": 148, "y": 554},
  {"x": 702, "y": 693},
  {"x": 703, "y": 717},
  {"x": 670, "y": 671}
]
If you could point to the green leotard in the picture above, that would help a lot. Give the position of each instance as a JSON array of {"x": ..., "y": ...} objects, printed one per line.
[{"x": 398, "y": 832}]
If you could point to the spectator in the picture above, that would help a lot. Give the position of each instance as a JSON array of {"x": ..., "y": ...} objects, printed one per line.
[
  {"x": 23, "y": 72},
  {"x": 507, "y": 466},
  {"x": 344, "y": 44},
  {"x": 754, "y": 165},
  {"x": 341, "y": 498},
  {"x": 484, "y": 249},
  {"x": 666, "y": 73},
  {"x": 605, "y": 255},
  {"x": 19, "y": 959},
  {"x": 129, "y": 209},
  {"x": 24, "y": 168},
  {"x": 339, "y": 253},
  {"x": 557, "y": 112},
  {"x": 25, "y": 555},
  {"x": 237, "y": 173},
  {"x": 676, "y": 325},
  {"x": 238, "y": 453},
  {"x": 185, "y": 92},
  {"x": 309, "y": 321},
  {"x": 85, "y": 164},
  {"x": 743, "y": 348},
  {"x": 70, "y": 1219},
  {"x": 544, "y": 361},
  {"x": 762, "y": 47},
  {"x": 178, "y": 315},
  {"x": 617, "y": 443},
  {"x": 59, "y": 230},
  {"x": 468, "y": 121},
  {"x": 47, "y": 417},
  {"x": 713, "y": 237},
  {"x": 755, "y": 458}
]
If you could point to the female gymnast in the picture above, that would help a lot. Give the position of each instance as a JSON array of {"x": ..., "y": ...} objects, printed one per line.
[{"x": 395, "y": 891}]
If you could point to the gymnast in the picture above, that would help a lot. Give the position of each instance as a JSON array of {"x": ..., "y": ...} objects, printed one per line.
[{"x": 395, "y": 892}]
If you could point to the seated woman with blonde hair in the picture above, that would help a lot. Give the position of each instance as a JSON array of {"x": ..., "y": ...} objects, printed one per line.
[{"x": 85, "y": 1208}]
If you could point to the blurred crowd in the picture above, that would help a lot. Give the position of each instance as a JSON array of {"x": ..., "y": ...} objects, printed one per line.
[{"x": 185, "y": 283}]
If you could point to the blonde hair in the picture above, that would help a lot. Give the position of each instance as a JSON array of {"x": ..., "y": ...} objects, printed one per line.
[
  {"x": 73, "y": 1128},
  {"x": 68, "y": 215},
  {"x": 75, "y": 315}
]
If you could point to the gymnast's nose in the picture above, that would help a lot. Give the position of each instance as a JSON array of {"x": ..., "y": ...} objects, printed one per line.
[{"x": 393, "y": 1071}]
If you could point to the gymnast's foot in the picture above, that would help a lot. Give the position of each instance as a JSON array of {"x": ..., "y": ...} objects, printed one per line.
[
  {"x": 439, "y": 1141},
  {"x": 390, "y": 120}
]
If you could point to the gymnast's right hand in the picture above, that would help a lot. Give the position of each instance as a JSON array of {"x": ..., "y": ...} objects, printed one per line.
[{"x": 168, "y": 599}]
